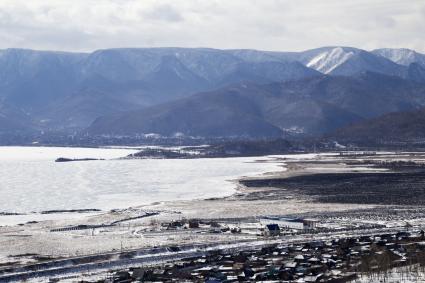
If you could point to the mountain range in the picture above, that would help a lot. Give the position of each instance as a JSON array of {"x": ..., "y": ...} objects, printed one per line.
[
  {"x": 403, "y": 126},
  {"x": 313, "y": 105},
  {"x": 205, "y": 92}
]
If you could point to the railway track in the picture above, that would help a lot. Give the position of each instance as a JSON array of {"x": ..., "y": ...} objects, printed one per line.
[{"x": 104, "y": 262}]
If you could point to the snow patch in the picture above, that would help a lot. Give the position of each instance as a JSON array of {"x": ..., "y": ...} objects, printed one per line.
[
  {"x": 400, "y": 56},
  {"x": 328, "y": 61}
]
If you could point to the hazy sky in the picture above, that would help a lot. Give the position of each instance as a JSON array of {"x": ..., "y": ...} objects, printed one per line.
[{"x": 85, "y": 25}]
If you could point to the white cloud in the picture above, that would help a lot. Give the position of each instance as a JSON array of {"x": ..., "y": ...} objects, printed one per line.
[{"x": 84, "y": 25}]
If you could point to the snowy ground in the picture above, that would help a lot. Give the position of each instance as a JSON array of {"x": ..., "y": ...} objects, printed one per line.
[
  {"x": 36, "y": 238},
  {"x": 33, "y": 182},
  {"x": 406, "y": 274}
]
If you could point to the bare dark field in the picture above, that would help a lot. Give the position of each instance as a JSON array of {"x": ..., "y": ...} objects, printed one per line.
[{"x": 392, "y": 188}]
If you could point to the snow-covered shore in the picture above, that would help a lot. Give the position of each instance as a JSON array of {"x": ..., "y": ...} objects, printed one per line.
[{"x": 32, "y": 182}]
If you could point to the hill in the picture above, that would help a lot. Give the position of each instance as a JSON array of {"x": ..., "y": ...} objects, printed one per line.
[
  {"x": 405, "y": 126},
  {"x": 61, "y": 91},
  {"x": 308, "y": 106}
]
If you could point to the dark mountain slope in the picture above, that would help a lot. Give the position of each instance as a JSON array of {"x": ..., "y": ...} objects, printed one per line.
[
  {"x": 367, "y": 95},
  {"x": 398, "y": 126},
  {"x": 310, "y": 106},
  {"x": 45, "y": 84},
  {"x": 31, "y": 79},
  {"x": 207, "y": 115},
  {"x": 78, "y": 110},
  {"x": 415, "y": 72},
  {"x": 67, "y": 91},
  {"x": 266, "y": 72},
  {"x": 7, "y": 125},
  {"x": 14, "y": 121}
]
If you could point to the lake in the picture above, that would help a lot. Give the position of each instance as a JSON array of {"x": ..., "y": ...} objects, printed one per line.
[{"x": 32, "y": 182}]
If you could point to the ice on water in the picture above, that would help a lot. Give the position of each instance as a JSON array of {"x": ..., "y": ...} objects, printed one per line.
[{"x": 32, "y": 181}]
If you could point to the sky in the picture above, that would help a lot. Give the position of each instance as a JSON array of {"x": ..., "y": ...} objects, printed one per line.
[{"x": 285, "y": 25}]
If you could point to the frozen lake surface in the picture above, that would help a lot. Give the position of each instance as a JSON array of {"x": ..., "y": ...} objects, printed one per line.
[{"x": 32, "y": 182}]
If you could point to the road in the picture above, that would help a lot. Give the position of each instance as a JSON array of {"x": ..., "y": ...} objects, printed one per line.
[{"x": 103, "y": 262}]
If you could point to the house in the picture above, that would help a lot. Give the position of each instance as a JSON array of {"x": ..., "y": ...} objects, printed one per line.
[
  {"x": 193, "y": 223},
  {"x": 175, "y": 225},
  {"x": 235, "y": 230},
  {"x": 309, "y": 224},
  {"x": 139, "y": 273},
  {"x": 122, "y": 276},
  {"x": 299, "y": 258},
  {"x": 272, "y": 230}
]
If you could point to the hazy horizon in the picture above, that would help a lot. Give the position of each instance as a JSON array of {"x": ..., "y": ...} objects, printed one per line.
[
  {"x": 202, "y": 47},
  {"x": 85, "y": 26}
]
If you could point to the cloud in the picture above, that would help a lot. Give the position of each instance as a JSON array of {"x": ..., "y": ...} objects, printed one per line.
[
  {"x": 86, "y": 25},
  {"x": 165, "y": 13}
]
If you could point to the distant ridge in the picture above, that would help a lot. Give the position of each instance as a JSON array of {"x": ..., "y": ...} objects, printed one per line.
[
  {"x": 47, "y": 91},
  {"x": 308, "y": 106},
  {"x": 402, "y": 56},
  {"x": 392, "y": 127}
]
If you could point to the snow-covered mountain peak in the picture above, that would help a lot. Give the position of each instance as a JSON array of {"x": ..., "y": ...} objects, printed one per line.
[
  {"x": 402, "y": 56},
  {"x": 330, "y": 59}
]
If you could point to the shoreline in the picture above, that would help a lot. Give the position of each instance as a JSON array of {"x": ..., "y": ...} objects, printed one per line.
[
  {"x": 289, "y": 166},
  {"x": 286, "y": 169},
  {"x": 272, "y": 165},
  {"x": 249, "y": 208}
]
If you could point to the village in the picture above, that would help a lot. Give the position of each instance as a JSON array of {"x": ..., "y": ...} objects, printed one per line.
[
  {"x": 299, "y": 225},
  {"x": 332, "y": 260},
  {"x": 267, "y": 249}
]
